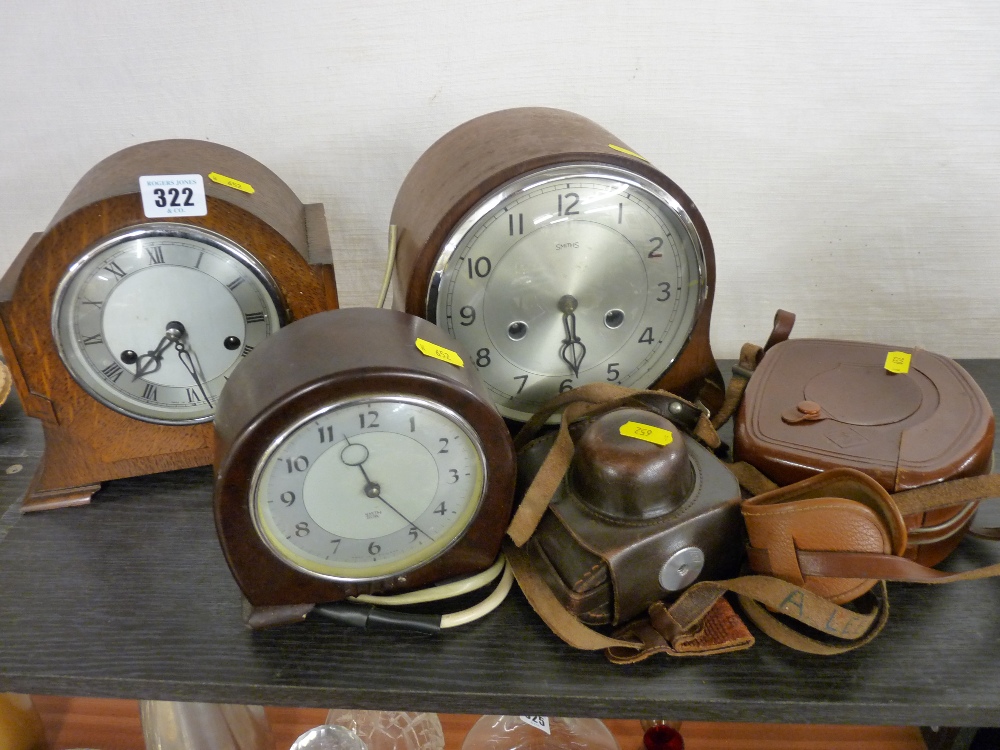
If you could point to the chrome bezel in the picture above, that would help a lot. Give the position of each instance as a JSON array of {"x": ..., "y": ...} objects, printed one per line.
[
  {"x": 139, "y": 232},
  {"x": 560, "y": 173},
  {"x": 279, "y": 440}
]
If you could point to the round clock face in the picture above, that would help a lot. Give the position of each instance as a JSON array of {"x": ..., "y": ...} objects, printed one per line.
[
  {"x": 571, "y": 274},
  {"x": 151, "y": 320},
  {"x": 368, "y": 488}
]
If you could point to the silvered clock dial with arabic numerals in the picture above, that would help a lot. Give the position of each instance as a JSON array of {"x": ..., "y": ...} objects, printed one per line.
[
  {"x": 153, "y": 319},
  {"x": 557, "y": 257},
  {"x": 369, "y": 487}
]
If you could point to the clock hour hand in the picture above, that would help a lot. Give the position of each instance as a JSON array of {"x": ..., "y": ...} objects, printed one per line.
[
  {"x": 188, "y": 361},
  {"x": 155, "y": 356},
  {"x": 355, "y": 454},
  {"x": 572, "y": 350}
]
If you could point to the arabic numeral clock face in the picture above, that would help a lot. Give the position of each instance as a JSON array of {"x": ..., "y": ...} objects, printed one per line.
[
  {"x": 570, "y": 274},
  {"x": 368, "y": 488},
  {"x": 153, "y": 319}
]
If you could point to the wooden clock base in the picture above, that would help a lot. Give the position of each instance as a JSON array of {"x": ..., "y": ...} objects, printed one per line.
[
  {"x": 64, "y": 497},
  {"x": 76, "y": 460}
]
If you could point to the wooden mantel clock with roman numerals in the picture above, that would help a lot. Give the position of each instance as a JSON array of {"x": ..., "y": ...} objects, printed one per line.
[{"x": 167, "y": 263}]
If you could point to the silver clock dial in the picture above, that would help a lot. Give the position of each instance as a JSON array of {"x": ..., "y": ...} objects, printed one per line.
[
  {"x": 570, "y": 275},
  {"x": 152, "y": 320},
  {"x": 368, "y": 488}
]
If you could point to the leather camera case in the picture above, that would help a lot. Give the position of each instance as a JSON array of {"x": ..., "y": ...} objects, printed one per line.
[
  {"x": 815, "y": 404},
  {"x": 633, "y": 522}
]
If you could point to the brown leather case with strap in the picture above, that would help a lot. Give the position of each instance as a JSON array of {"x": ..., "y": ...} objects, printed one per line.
[
  {"x": 634, "y": 522},
  {"x": 814, "y": 404}
]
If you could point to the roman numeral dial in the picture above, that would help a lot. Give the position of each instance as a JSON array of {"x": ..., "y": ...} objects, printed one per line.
[{"x": 152, "y": 321}]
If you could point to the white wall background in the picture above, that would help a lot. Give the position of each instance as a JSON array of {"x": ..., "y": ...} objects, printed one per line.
[{"x": 846, "y": 155}]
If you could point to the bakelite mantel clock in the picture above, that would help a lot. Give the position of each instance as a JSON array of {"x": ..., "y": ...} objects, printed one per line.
[
  {"x": 558, "y": 257},
  {"x": 349, "y": 461}
]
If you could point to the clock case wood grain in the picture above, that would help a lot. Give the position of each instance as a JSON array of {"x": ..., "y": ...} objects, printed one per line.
[
  {"x": 328, "y": 358},
  {"x": 471, "y": 161},
  {"x": 87, "y": 442}
]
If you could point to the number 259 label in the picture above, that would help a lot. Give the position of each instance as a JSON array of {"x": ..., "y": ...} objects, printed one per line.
[{"x": 165, "y": 195}]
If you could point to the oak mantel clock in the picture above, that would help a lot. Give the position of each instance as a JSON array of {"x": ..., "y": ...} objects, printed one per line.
[
  {"x": 167, "y": 263},
  {"x": 558, "y": 257}
]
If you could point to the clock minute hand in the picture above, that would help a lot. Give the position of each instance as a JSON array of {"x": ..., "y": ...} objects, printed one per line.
[
  {"x": 188, "y": 362},
  {"x": 371, "y": 489},
  {"x": 572, "y": 350}
]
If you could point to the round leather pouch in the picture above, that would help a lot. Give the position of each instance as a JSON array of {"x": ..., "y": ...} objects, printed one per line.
[{"x": 841, "y": 510}]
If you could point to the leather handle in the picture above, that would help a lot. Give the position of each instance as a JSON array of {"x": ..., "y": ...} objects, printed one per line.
[{"x": 780, "y": 331}]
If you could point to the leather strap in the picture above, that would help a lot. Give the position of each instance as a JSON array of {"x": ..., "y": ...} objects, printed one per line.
[
  {"x": 944, "y": 494},
  {"x": 966, "y": 491},
  {"x": 750, "y": 357},
  {"x": 751, "y": 478},
  {"x": 886, "y": 567},
  {"x": 587, "y": 400},
  {"x": 701, "y": 622},
  {"x": 711, "y": 627},
  {"x": 764, "y": 600},
  {"x": 853, "y": 630}
]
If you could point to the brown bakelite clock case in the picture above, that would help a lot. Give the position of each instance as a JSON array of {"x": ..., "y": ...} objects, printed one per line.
[
  {"x": 167, "y": 264},
  {"x": 349, "y": 461},
  {"x": 558, "y": 257}
]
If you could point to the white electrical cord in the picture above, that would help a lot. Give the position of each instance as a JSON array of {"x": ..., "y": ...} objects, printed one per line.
[
  {"x": 435, "y": 593},
  {"x": 487, "y": 605},
  {"x": 388, "y": 266},
  {"x": 451, "y": 590}
]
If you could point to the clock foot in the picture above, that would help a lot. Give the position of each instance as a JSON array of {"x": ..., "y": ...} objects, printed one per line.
[
  {"x": 256, "y": 617},
  {"x": 63, "y": 497}
]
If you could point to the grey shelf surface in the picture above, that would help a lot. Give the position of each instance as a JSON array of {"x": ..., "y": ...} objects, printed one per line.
[{"x": 131, "y": 597}]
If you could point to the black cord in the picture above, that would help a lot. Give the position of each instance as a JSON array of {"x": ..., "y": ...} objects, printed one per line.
[{"x": 370, "y": 617}]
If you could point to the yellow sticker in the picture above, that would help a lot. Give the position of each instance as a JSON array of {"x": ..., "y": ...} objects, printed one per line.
[
  {"x": 897, "y": 362},
  {"x": 646, "y": 432},
  {"x": 439, "y": 352},
  {"x": 626, "y": 151},
  {"x": 230, "y": 182}
]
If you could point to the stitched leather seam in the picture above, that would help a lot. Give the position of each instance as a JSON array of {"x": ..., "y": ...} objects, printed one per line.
[{"x": 588, "y": 574}]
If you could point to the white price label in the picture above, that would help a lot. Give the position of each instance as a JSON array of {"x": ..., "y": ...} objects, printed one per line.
[
  {"x": 539, "y": 722},
  {"x": 165, "y": 195}
]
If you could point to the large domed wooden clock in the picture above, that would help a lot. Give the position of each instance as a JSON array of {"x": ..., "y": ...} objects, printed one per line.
[
  {"x": 558, "y": 257},
  {"x": 167, "y": 263}
]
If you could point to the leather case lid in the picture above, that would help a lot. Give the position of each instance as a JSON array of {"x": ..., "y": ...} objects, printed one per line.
[{"x": 903, "y": 430}]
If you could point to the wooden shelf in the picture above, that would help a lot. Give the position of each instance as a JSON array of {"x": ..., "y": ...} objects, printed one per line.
[
  {"x": 130, "y": 598},
  {"x": 113, "y": 724}
]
